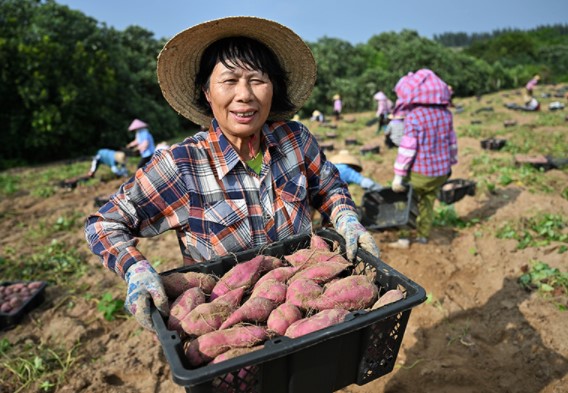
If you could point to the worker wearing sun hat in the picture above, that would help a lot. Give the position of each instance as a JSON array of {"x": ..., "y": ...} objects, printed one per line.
[
  {"x": 529, "y": 87},
  {"x": 350, "y": 167},
  {"x": 116, "y": 160},
  {"x": 143, "y": 142},
  {"x": 252, "y": 178},
  {"x": 428, "y": 148},
  {"x": 337, "y": 106}
]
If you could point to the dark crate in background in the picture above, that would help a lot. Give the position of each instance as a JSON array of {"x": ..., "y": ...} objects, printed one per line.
[{"x": 387, "y": 209}]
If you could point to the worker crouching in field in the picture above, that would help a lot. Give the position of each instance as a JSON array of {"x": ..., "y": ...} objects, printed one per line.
[
  {"x": 350, "y": 168},
  {"x": 116, "y": 160}
]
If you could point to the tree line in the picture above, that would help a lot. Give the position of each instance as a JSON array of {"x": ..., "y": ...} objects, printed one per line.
[{"x": 70, "y": 85}]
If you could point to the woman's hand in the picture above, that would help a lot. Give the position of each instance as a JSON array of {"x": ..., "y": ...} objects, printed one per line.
[
  {"x": 144, "y": 284},
  {"x": 355, "y": 235},
  {"x": 397, "y": 185}
]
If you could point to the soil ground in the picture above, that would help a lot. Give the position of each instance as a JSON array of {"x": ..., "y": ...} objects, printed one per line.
[{"x": 478, "y": 332}]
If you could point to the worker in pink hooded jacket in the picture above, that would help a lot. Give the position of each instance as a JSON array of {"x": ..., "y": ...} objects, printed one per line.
[{"x": 428, "y": 148}]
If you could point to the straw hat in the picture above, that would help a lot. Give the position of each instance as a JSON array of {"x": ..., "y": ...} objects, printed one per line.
[
  {"x": 344, "y": 157},
  {"x": 178, "y": 62},
  {"x": 119, "y": 157},
  {"x": 136, "y": 125},
  {"x": 336, "y": 97}
]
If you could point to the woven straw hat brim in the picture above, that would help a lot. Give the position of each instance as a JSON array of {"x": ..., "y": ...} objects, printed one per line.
[
  {"x": 179, "y": 60},
  {"x": 344, "y": 157}
]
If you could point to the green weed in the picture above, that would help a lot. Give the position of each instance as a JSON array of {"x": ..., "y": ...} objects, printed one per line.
[
  {"x": 110, "y": 307},
  {"x": 549, "y": 281},
  {"x": 35, "y": 365},
  {"x": 536, "y": 231},
  {"x": 446, "y": 216},
  {"x": 8, "y": 184},
  {"x": 68, "y": 222},
  {"x": 54, "y": 262}
]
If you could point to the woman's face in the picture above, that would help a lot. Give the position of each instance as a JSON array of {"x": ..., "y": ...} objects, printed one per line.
[{"x": 240, "y": 100}]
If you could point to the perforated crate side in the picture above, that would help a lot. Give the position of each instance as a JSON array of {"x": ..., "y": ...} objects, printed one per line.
[{"x": 383, "y": 340}]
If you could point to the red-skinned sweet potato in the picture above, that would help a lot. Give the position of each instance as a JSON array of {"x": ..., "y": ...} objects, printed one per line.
[
  {"x": 320, "y": 273},
  {"x": 282, "y": 317},
  {"x": 183, "y": 305},
  {"x": 302, "y": 293},
  {"x": 245, "y": 274},
  {"x": 281, "y": 274},
  {"x": 177, "y": 283},
  {"x": 319, "y": 243},
  {"x": 306, "y": 257},
  {"x": 255, "y": 309},
  {"x": 210, "y": 345},
  {"x": 233, "y": 353},
  {"x": 271, "y": 289},
  {"x": 388, "y": 297},
  {"x": 350, "y": 293},
  {"x": 208, "y": 317},
  {"x": 316, "y": 322}
]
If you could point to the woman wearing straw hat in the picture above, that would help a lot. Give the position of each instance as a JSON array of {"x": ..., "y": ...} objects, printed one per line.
[
  {"x": 143, "y": 142},
  {"x": 116, "y": 160},
  {"x": 350, "y": 168},
  {"x": 252, "y": 178}
]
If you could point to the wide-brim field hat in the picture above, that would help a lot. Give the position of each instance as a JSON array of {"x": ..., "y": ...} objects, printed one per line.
[
  {"x": 136, "y": 125},
  {"x": 179, "y": 60},
  {"x": 119, "y": 157},
  {"x": 422, "y": 87},
  {"x": 336, "y": 97},
  {"x": 344, "y": 157}
]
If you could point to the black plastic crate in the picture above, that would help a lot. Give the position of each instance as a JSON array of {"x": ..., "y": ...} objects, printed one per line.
[
  {"x": 361, "y": 349},
  {"x": 455, "y": 190},
  {"x": 386, "y": 209},
  {"x": 493, "y": 144},
  {"x": 10, "y": 319}
]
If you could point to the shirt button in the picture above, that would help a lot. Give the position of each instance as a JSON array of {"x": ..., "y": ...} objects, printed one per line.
[{"x": 266, "y": 216}]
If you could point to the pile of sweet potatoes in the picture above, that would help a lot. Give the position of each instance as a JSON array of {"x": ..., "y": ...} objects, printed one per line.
[
  {"x": 13, "y": 296},
  {"x": 311, "y": 289}
]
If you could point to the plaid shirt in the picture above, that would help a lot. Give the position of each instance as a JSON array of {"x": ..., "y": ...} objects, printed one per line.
[
  {"x": 217, "y": 205},
  {"x": 429, "y": 144}
]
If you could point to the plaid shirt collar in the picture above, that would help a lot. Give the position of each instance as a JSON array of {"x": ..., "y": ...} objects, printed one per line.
[{"x": 225, "y": 156}]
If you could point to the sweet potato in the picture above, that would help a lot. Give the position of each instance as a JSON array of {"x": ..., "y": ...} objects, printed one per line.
[
  {"x": 245, "y": 274},
  {"x": 302, "y": 293},
  {"x": 306, "y": 257},
  {"x": 177, "y": 283},
  {"x": 320, "y": 273},
  {"x": 205, "y": 348},
  {"x": 255, "y": 309},
  {"x": 319, "y": 243},
  {"x": 388, "y": 297},
  {"x": 350, "y": 293},
  {"x": 233, "y": 353},
  {"x": 183, "y": 305},
  {"x": 208, "y": 317},
  {"x": 281, "y": 274},
  {"x": 282, "y": 317},
  {"x": 271, "y": 289},
  {"x": 316, "y": 322}
]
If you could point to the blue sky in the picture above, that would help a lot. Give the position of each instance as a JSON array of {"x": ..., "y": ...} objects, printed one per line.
[{"x": 352, "y": 20}]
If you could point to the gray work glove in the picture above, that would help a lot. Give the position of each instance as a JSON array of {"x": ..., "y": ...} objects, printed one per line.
[
  {"x": 355, "y": 235},
  {"x": 145, "y": 284}
]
